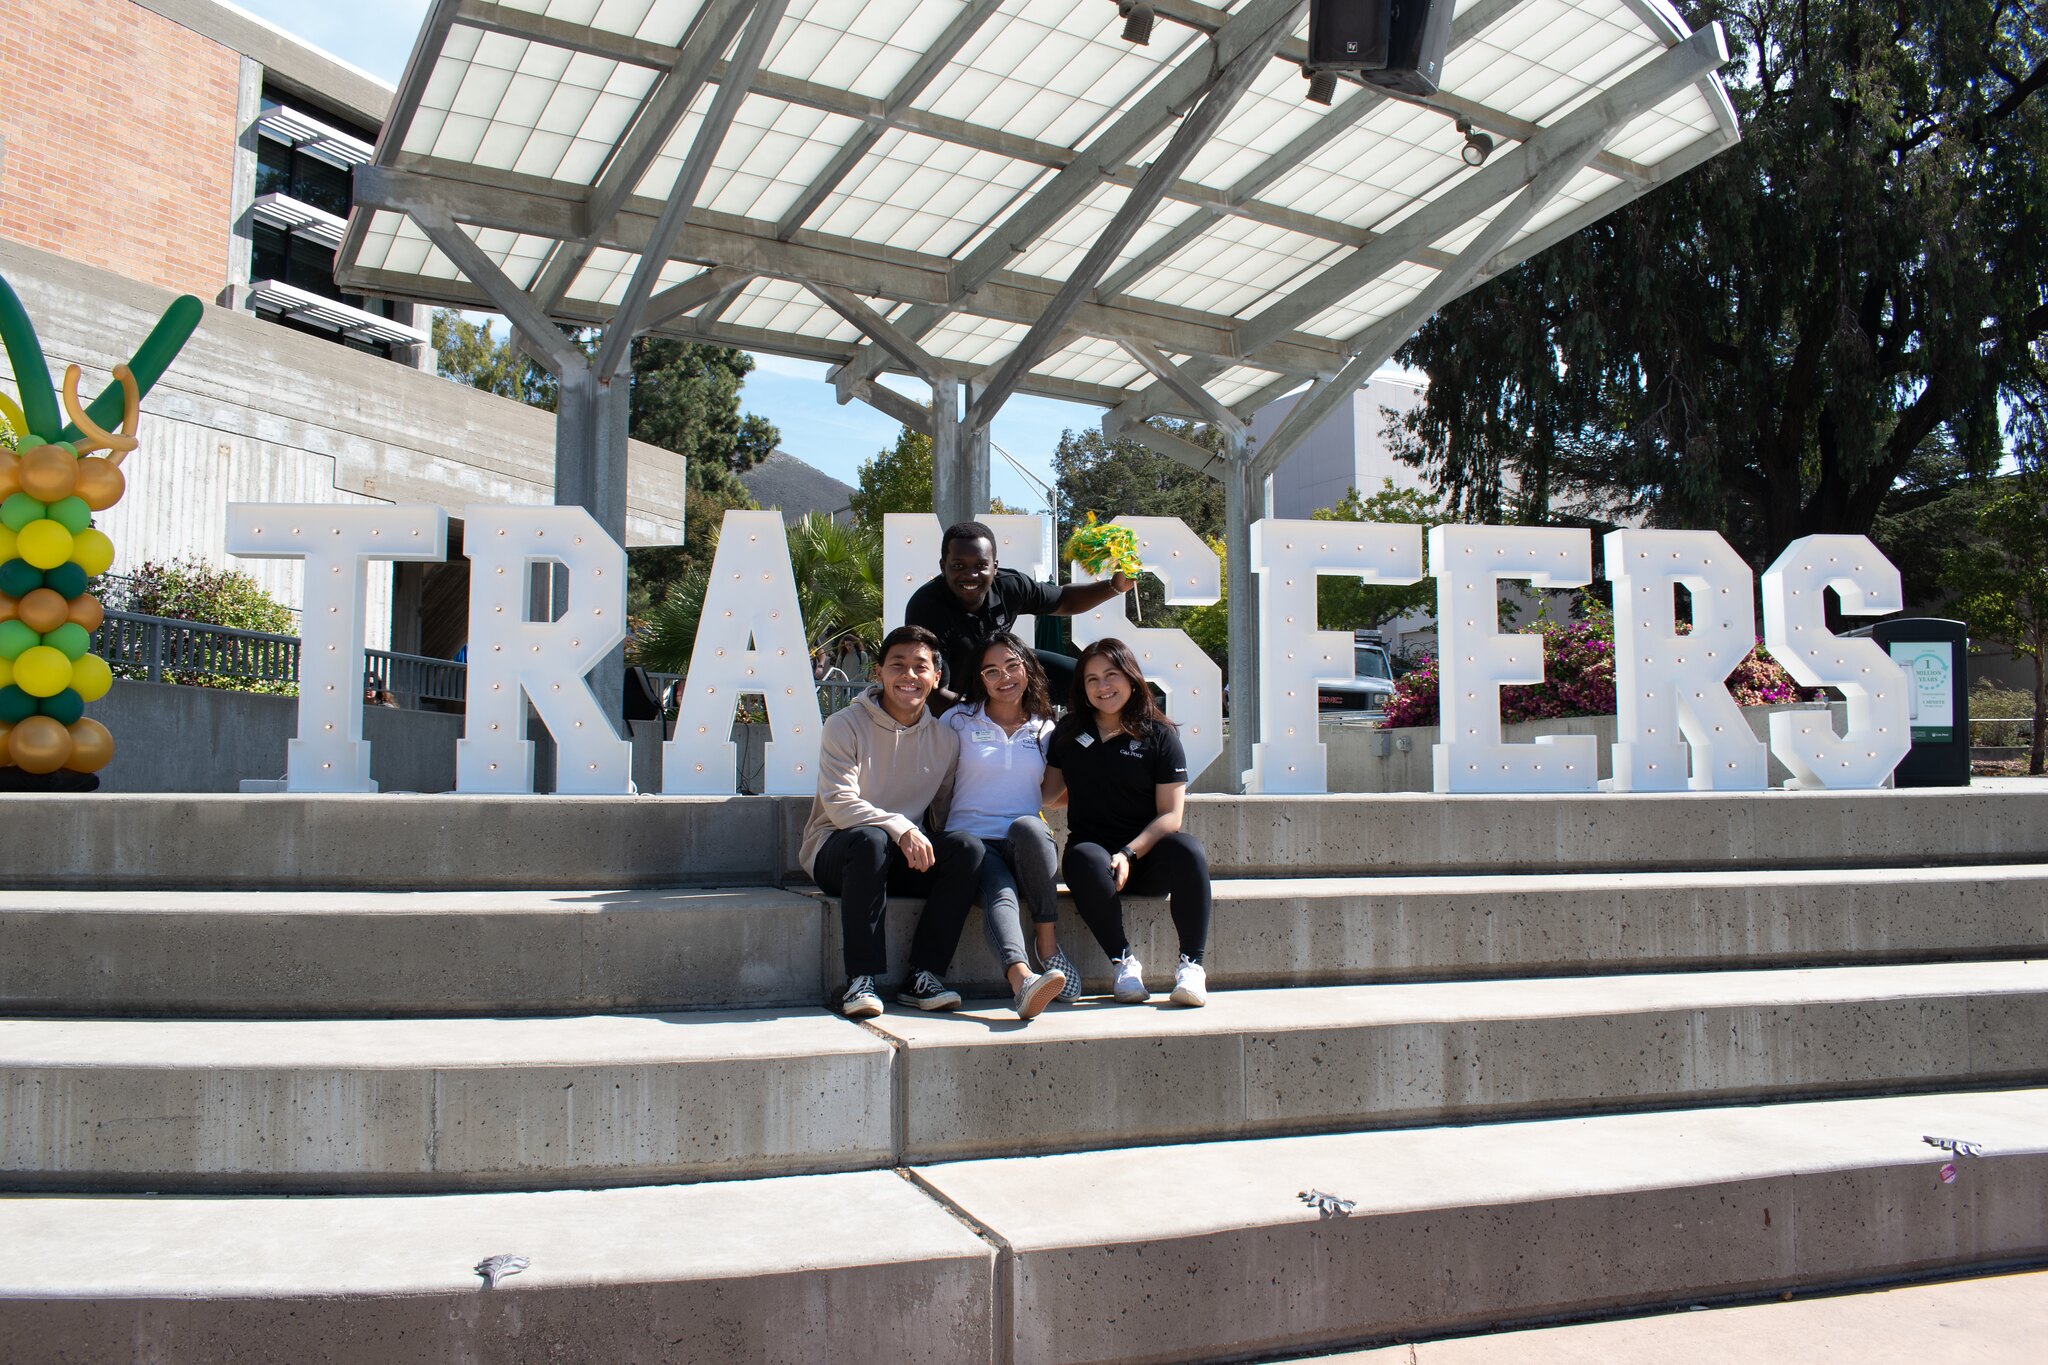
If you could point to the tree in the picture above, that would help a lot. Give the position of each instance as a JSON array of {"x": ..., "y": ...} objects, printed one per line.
[
  {"x": 1345, "y": 603},
  {"x": 468, "y": 353},
  {"x": 192, "y": 590},
  {"x": 2001, "y": 581},
  {"x": 1768, "y": 344},
  {"x": 898, "y": 479},
  {"x": 1123, "y": 478}
]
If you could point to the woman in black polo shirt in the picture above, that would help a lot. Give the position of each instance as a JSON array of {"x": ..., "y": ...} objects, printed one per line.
[{"x": 1119, "y": 761}]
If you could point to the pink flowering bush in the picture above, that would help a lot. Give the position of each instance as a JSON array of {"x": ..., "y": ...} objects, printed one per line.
[{"x": 1578, "y": 679}]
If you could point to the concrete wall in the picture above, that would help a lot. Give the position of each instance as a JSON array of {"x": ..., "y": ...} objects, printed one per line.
[{"x": 202, "y": 739}]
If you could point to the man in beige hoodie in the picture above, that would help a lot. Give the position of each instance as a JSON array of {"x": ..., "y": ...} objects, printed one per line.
[{"x": 881, "y": 763}]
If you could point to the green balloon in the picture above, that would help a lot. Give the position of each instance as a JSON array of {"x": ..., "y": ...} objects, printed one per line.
[
  {"x": 65, "y": 708},
  {"x": 19, "y": 578},
  {"x": 20, "y": 509},
  {"x": 66, "y": 580},
  {"x": 72, "y": 639},
  {"x": 15, "y": 637},
  {"x": 71, "y": 513},
  {"x": 15, "y": 705}
]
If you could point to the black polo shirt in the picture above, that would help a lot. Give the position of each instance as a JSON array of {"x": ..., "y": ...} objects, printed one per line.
[
  {"x": 1113, "y": 784},
  {"x": 963, "y": 634}
]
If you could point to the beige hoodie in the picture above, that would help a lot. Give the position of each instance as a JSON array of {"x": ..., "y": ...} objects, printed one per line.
[{"x": 872, "y": 771}]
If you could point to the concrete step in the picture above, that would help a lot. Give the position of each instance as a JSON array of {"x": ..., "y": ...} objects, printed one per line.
[
  {"x": 863, "y": 1267},
  {"x": 401, "y": 842},
  {"x": 330, "y": 953},
  {"x": 319, "y": 1106},
  {"x": 1206, "y": 1252},
  {"x": 1982, "y": 1320},
  {"x": 444, "y": 953},
  {"x": 1309, "y": 931},
  {"x": 1191, "y": 1253}
]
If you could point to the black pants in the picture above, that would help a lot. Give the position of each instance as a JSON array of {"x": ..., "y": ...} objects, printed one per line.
[
  {"x": 1176, "y": 865},
  {"x": 864, "y": 867},
  {"x": 1059, "y": 674}
]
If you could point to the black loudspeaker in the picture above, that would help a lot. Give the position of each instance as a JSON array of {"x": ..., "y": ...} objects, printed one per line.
[
  {"x": 1348, "y": 35},
  {"x": 1418, "y": 32}
]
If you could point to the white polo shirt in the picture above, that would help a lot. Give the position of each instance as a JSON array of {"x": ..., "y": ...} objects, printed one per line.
[{"x": 998, "y": 777}]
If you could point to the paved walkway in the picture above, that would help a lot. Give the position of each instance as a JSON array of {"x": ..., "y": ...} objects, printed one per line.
[{"x": 1989, "y": 1321}]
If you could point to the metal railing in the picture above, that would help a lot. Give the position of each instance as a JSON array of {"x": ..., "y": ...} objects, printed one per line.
[{"x": 160, "y": 649}]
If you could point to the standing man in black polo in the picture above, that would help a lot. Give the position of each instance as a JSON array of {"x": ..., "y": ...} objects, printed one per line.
[{"x": 973, "y": 598}]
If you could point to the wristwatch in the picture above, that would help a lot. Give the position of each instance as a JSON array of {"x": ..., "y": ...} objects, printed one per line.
[{"x": 1129, "y": 856}]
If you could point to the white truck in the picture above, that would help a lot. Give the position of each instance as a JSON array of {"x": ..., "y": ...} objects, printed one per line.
[{"x": 1371, "y": 683}]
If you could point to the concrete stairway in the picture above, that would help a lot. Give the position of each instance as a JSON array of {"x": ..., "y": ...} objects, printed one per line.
[{"x": 1559, "y": 1056}]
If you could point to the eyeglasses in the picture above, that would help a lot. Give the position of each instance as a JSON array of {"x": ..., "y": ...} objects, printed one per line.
[{"x": 995, "y": 671}]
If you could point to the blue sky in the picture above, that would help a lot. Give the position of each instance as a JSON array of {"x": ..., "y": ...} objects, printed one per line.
[{"x": 377, "y": 35}]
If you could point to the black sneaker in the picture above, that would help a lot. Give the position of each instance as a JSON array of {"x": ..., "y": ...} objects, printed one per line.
[
  {"x": 927, "y": 992},
  {"x": 858, "y": 1000}
]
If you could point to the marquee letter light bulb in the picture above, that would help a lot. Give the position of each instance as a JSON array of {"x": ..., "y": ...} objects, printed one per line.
[
  {"x": 337, "y": 543},
  {"x": 750, "y": 638},
  {"x": 1187, "y": 568},
  {"x": 910, "y": 556},
  {"x": 1474, "y": 659},
  {"x": 1797, "y": 635},
  {"x": 1667, "y": 684},
  {"x": 511, "y": 654},
  {"x": 1288, "y": 556}
]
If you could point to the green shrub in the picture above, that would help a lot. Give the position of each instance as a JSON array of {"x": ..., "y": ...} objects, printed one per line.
[
  {"x": 188, "y": 590},
  {"x": 1989, "y": 699}
]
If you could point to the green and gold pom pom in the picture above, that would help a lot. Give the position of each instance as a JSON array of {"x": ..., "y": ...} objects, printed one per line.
[{"x": 1096, "y": 547}]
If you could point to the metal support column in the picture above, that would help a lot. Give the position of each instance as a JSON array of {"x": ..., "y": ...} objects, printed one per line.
[
  {"x": 591, "y": 420},
  {"x": 1244, "y": 502}
]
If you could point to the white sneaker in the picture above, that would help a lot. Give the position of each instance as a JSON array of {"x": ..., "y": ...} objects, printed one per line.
[
  {"x": 1130, "y": 980},
  {"x": 1190, "y": 984}
]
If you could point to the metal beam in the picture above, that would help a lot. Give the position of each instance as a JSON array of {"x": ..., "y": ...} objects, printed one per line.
[
  {"x": 1178, "y": 449},
  {"x": 876, "y": 328},
  {"x": 1596, "y": 120},
  {"x": 556, "y": 353},
  {"x": 1221, "y": 92},
  {"x": 504, "y": 200},
  {"x": 1475, "y": 19},
  {"x": 1169, "y": 374},
  {"x": 1124, "y": 138},
  {"x": 890, "y": 403},
  {"x": 693, "y": 294},
  {"x": 706, "y": 44},
  {"x": 618, "y": 337},
  {"x": 1385, "y": 337},
  {"x": 964, "y": 26}
]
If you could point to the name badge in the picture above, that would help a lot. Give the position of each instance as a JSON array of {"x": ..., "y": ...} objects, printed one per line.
[
  {"x": 986, "y": 735},
  {"x": 1084, "y": 740}
]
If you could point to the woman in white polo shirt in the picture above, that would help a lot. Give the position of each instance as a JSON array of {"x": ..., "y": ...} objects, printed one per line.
[{"x": 1004, "y": 727}]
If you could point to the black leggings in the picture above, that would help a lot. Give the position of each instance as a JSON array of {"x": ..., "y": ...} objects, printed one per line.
[{"x": 1176, "y": 865}]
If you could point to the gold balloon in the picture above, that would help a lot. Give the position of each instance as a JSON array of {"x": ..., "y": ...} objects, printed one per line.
[
  {"x": 10, "y": 607},
  {"x": 99, "y": 482},
  {"x": 40, "y": 745},
  {"x": 92, "y": 746},
  {"x": 48, "y": 473},
  {"x": 6, "y": 758},
  {"x": 43, "y": 610},
  {"x": 84, "y": 610},
  {"x": 10, "y": 480}
]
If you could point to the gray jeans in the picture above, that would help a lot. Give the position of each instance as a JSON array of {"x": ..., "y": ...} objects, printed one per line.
[{"x": 1017, "y": 874}]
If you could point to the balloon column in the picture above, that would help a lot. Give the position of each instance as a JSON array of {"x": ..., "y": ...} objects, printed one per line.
[{"x": 49, "y": 548}]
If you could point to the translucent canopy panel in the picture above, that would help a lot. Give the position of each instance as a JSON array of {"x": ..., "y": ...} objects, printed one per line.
[{"x": 911, "y": 186}]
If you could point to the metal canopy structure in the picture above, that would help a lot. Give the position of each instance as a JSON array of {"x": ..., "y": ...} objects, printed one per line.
[{"x": 1003, "y": 196}]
